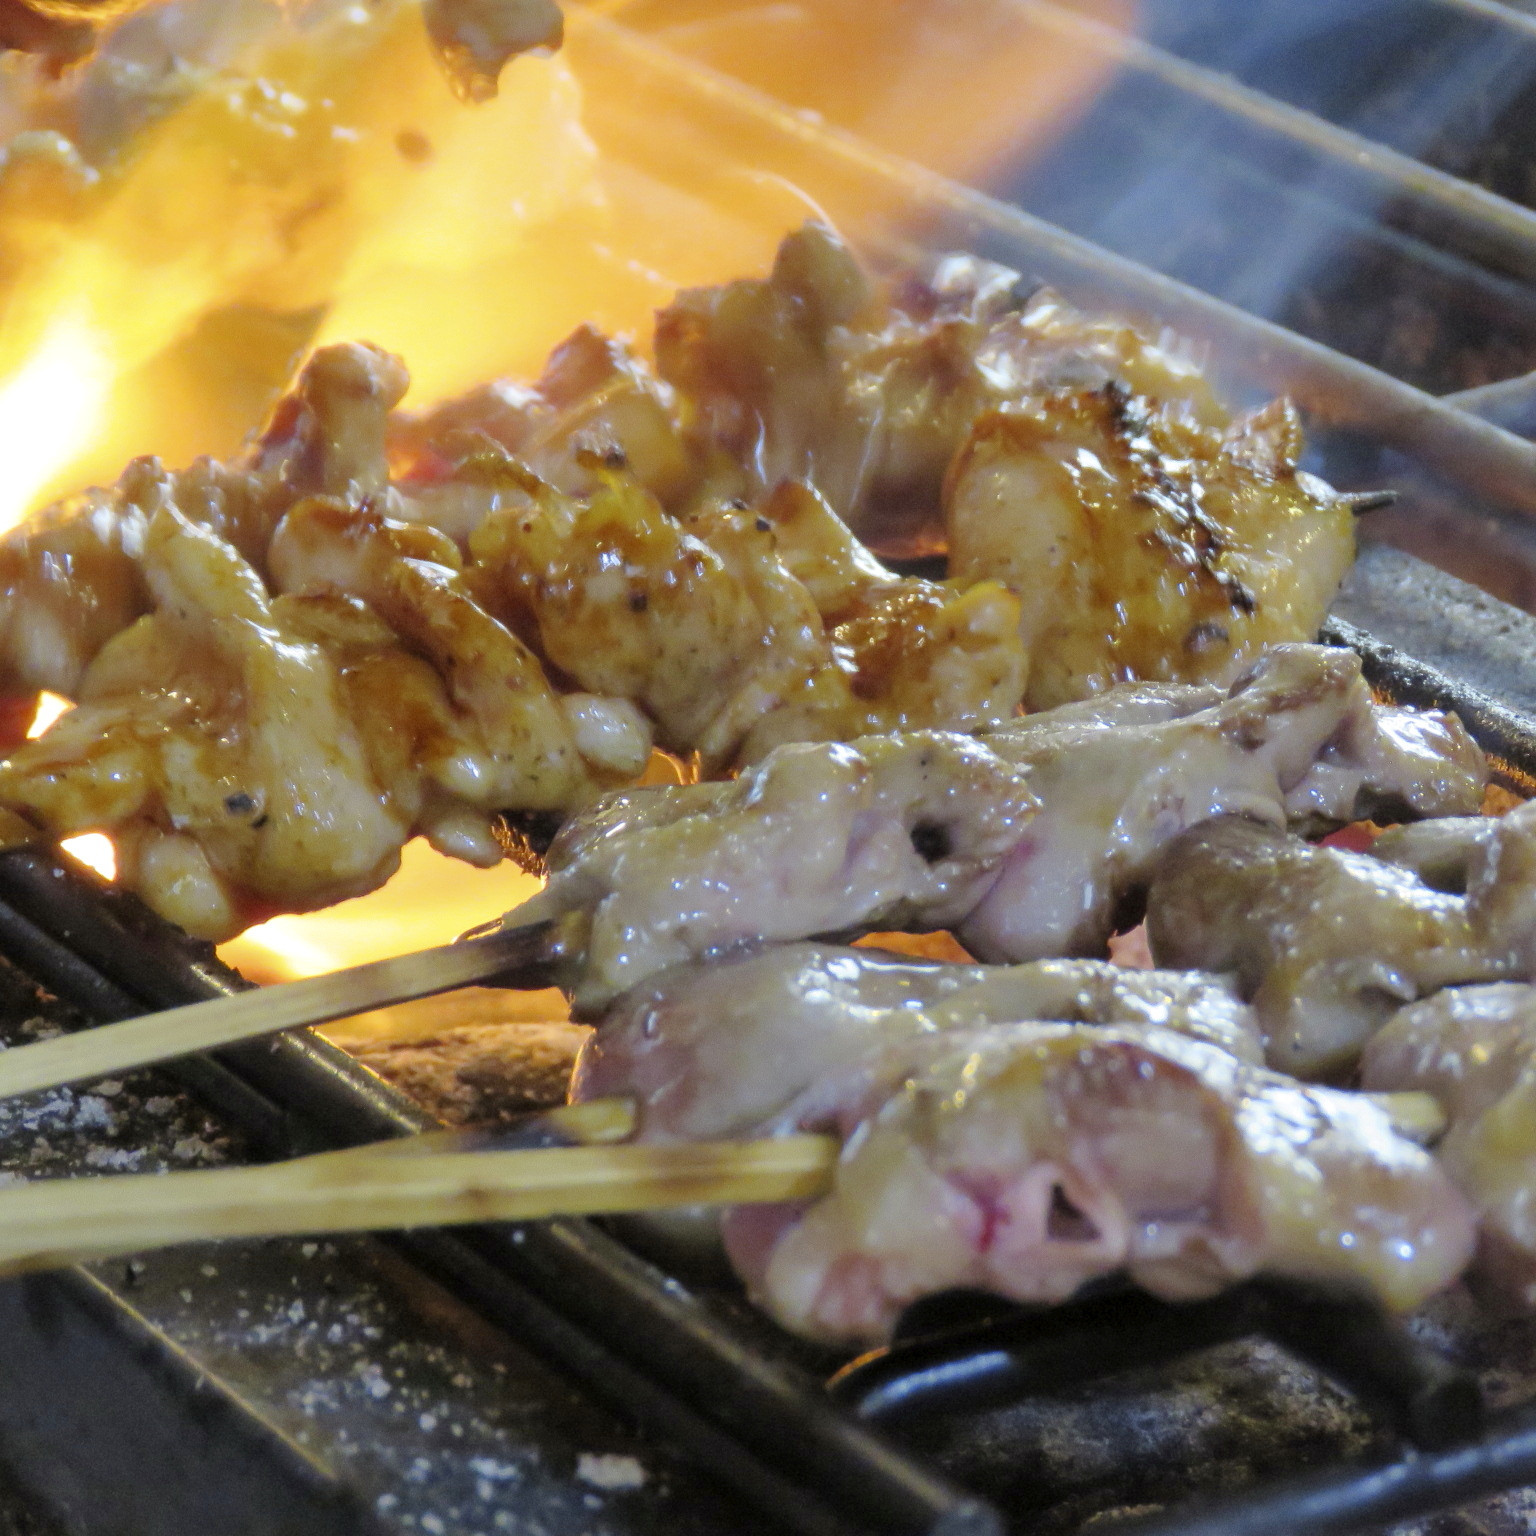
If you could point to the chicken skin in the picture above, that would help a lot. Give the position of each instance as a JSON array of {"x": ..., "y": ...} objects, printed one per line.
[
  {"x": 1326, "y": 943},
  {"x": 1298, "y": 739},
  {"x": 1027, "y": 1159},
  {"x": 1086, "y": 798},
  {"x": 1474, "y": 1049},
  {"x": 726, "y": 1047},
  {"x": 884, "y": 832}
]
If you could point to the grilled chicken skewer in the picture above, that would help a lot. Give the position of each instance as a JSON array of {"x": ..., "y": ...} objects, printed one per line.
[
  {"x": 1404, "y": 1251},
  {"x": 928, "y": 831},
  {"x": 374, "y": 626},
  {"x": 1023, "y": 1158}
]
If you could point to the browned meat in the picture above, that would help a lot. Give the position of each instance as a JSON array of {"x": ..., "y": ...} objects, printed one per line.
[{"x": 1328, "y": 943}]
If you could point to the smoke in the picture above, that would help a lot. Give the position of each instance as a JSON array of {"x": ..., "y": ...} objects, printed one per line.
[{"x": 1300, "y": 160}]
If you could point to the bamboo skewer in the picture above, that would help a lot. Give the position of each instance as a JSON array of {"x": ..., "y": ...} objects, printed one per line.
[
  {"x": 114, "y": 1048},
  {"x": 65, "y": 1221}
]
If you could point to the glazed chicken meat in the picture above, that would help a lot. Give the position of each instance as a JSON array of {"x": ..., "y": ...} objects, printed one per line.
[
  {"x": 1149, "y": 533},
  {"x": 1088, "y": 795},
  {"x": 527, "y": 673}
]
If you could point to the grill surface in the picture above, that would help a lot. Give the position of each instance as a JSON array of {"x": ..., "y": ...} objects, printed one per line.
[{"x": 1332, "y": 184}]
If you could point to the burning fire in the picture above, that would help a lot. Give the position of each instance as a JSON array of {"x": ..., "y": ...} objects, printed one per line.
[{"x": 311, "y": 177}]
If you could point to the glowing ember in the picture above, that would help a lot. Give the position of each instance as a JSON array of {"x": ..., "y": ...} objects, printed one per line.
[
  {"x": 95, "y": 850},
  {"x": 432, "y": 900},
  {"x": 49, "y": 707}
]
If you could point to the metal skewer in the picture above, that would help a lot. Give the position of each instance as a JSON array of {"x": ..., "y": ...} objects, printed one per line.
[{"x": 526, "y": 954}]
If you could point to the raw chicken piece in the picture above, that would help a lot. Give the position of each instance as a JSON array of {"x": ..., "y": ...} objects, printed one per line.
[
  {"x": 1120, "y": 776},
  {"x": 883, "y": 832},
  {"x": 1029, "y": 1159},
  {"x": 724, "y": 1048},
  {"x": 1474, "y": 1049},
  {"x": 1327, "y": 943}
]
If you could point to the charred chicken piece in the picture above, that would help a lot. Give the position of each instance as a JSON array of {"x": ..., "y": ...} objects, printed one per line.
[
  {"x": 887, "y": 831},
  {"x": 253, "y": 754},
  {"x": 1474, "y": 1049},
  {"x": 1327, "y": 944},
  {"x": 1028, "y": 1159},
  {"x": 866, "y": 391},
  {"x": 737, "y": 631},
  {"x": 1118, "y": 777},
  {"x": 73, "y": 578},
  {"x": 727, "y": 1047},
  {"x": 217, "y": 749},
  {"x": 1145, "y": 543}
]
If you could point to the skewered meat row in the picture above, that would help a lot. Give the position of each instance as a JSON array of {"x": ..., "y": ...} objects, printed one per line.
[
  {"x": 1474, "y": 1048},
  {"x": 1150, "y": 534},
  {"x": 589, "y": 546},
  {"x": 1328, "y": 943},
  {"x": 1028, "y": 841},
  {"x": 1023, "y": 1158},
  {"x": 743, "y": 1045}
]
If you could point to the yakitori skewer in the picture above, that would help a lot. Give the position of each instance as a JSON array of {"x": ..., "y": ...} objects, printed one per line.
[
  {"x": 521, "y": 955},
  {"x": 396, "y": 1184}
]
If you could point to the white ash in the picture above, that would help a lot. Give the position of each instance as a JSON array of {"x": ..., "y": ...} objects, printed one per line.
[{"x": 610, "y": 1471}]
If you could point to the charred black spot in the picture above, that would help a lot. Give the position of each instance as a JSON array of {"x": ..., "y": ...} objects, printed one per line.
[
  {"x": 260, "y": 821},
  {"x": 239, "y": 804},
  {"x": 1204, "y": 635},
  {"x": 931, "y": 841},
  {"x": 639, "y": 602},
  {"x": 763, "y": 525}
]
